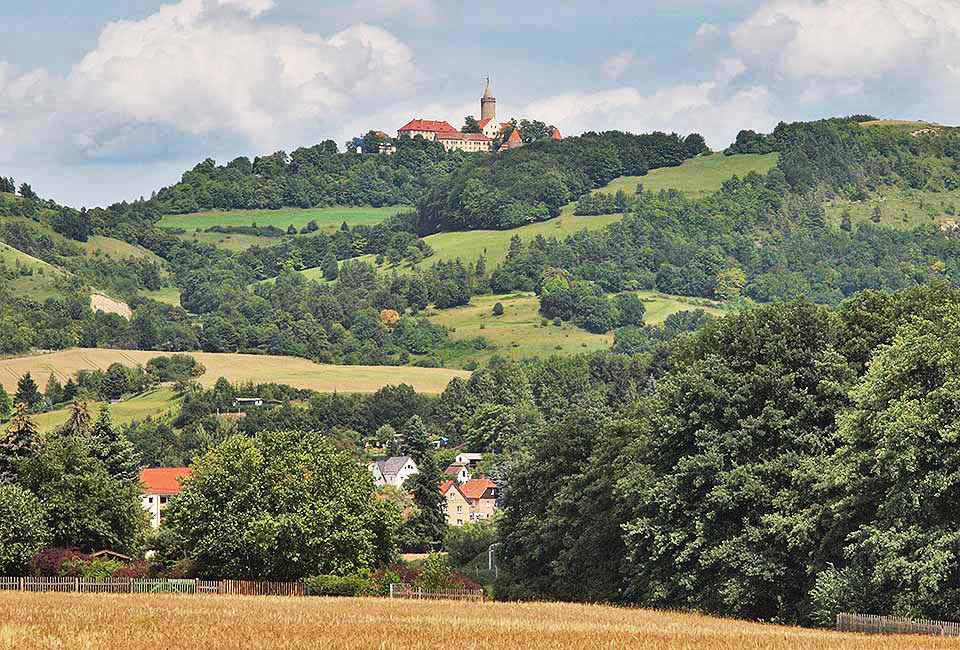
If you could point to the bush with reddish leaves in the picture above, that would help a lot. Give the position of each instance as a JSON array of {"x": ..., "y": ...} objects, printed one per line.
[
  {"x": 463, "y": 581},
  {"x": 139, "y": 569},
  {"x": 49, "y": 562}
]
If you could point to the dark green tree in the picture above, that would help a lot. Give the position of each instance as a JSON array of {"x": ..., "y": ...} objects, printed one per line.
[
  {"x": 331, "y": 270},
  {"x": 282, "y": 506},
  {"x": 111, "y": 446},
  {"x": 27, "y": 392},
  {"x": 17, "y": 442},
  {"x": 116, "y": 382},
  {"x": 24, "y": 530},
  {"x": 88, "y": 508},
  {"x": 6, "y": 405},
  {"x": 54, "y": 391}
]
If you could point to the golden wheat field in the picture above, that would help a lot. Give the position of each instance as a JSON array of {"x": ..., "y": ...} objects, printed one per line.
[
  {"x": 165, "y": 622},
  {"x": 297, "y": 372}
]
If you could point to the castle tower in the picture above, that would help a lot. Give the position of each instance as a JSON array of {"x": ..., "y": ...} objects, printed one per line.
[{"x": 488, "y": 104}]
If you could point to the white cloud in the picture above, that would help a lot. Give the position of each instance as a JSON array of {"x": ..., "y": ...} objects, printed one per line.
[
  {"x": 423, "y": 12},
  {"x": 616, "y": 66},
  {"x": 710, "y": 108},
  {"x": 204, "y": 67},
  {"x": 835, "y": 47}
]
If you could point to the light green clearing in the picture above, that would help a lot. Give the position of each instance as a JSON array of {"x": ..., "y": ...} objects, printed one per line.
[
  {"x": 168, "y": 295},
  {"x": 902, "y": 208},
  {"x": 329, "y": 219},
  {"x": 117, "y": 248},
  {"x": 520, "y": 331},
  {"x": 153, "y": 403},
  {"x": 39, "y": 286},
  {"x": 698, "y": 176}
]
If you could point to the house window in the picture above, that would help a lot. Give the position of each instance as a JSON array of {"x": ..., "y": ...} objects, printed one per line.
[
  {"x": 459, "y": 508},
  {"x": 163, "y": 500},
  {"x": 459, "y": 522}
]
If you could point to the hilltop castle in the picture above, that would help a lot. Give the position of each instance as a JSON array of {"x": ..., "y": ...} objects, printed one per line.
[{"x": 489, "y": 137}]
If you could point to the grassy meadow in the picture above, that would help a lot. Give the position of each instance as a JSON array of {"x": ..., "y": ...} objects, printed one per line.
[
  {"x": 168, "y": 295},
  {"x": 329, "y": 219},
  {"x": 698, "y": 176},
  {"x": 34, "y": 621},
  {"x": 900, "y": 207},
  {"x": 157, "y": 402},
  {"x": 41, "y": 285},
  {"x": 520, "y": 332},
  {"x": 293, "y": 371}
]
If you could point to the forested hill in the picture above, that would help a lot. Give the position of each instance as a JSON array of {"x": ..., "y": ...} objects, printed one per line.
[
  {"x": 769, "y": 236},
  {"x": 310, "y": 177},
  {"x": 531, "y": 184}
]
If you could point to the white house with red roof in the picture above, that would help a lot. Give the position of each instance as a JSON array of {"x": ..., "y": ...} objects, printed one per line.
[{"x": 159, "y": 485}]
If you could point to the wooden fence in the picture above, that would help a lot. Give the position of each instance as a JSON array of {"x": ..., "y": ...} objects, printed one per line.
[
  {"x": 415, "y": 593},
  {"x": 153, "y": 586},
  {"x": 872, "y": 624},
  {"x": 222, "y": 587}
]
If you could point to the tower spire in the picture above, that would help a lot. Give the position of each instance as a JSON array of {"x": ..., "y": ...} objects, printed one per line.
[{"x": 488, "y": 104}]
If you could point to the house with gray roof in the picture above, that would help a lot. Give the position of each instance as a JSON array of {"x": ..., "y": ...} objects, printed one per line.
[{"x": 393, "y": 471}]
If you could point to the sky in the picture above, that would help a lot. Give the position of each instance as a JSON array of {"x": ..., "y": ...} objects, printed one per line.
[{"x": 107, "y": 100}]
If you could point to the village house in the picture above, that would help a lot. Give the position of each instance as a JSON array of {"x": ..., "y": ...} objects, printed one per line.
[
  {"x": 159, "y": 485},
  {"x": 392, "y": 471},
  {"x": 459, "y": 472},
  {"x": 470, "y": 502},
  {"x": 470, "y": 459}
]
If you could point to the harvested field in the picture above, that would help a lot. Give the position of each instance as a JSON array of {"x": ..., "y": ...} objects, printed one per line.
[
  {"x": 237, "y": 368},
  {"x": 160, "y": 622}
]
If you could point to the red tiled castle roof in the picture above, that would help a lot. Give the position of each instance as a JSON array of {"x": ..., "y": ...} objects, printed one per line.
[{"x": 436, "y": 126}]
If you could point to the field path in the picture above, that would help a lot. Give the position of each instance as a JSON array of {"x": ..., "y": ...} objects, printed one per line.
[{"x": 293, "y": 371}]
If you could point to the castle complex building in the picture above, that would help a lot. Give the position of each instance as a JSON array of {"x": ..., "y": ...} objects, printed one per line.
[{"x": 490, "y": 130}]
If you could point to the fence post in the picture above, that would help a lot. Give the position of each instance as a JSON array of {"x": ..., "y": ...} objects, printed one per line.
[{"x": 76, "y": 585}]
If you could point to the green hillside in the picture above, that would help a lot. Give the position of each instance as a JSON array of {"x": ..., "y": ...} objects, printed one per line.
[
  {"x": 31, "y": 277},
  {"x": 521, "y": 330},
  {"x": 698, "y": 176},
  {"x": 329, "y": 219},
  {"x": 695, "y": 177}
]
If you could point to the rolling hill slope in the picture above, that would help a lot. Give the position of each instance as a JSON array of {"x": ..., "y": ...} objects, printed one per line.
[{"x": 694, "y": 177}]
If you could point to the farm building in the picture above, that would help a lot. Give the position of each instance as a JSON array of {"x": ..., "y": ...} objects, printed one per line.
[{"x": 392, "y": 471}]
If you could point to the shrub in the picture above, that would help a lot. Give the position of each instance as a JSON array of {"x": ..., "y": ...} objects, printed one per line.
[
  {"x": 81, "y": 567},
  {"x": 436, "y": 574},
  {"x": 139, "y": 569},
  {"x": 464, "y": 543},
  {"x": 498, "y": 309},
  {"x": 47, "y": 563},
  {"x": 327, "y": 585}
]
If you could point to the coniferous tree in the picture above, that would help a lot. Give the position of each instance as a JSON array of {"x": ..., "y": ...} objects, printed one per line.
[
  {"x": 79, "y": 422},
  {"x": 426, "y": 529},
  {"x": 112, "y": 447},
  {"x": 6, "y": 404},
  {"x": 331, "y": 271},
  {"x": 54, "y": 391},
  {"x": 70, "y": 390},
  {"x": 27, "y": 391},
  {"x": 416, "y": 440},
  {"x": 17, "y": 442}
]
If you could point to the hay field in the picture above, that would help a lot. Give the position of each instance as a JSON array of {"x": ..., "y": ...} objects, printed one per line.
[
  {"x": 160, "y": 622},
  {"x": 300, "y": 373}
]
